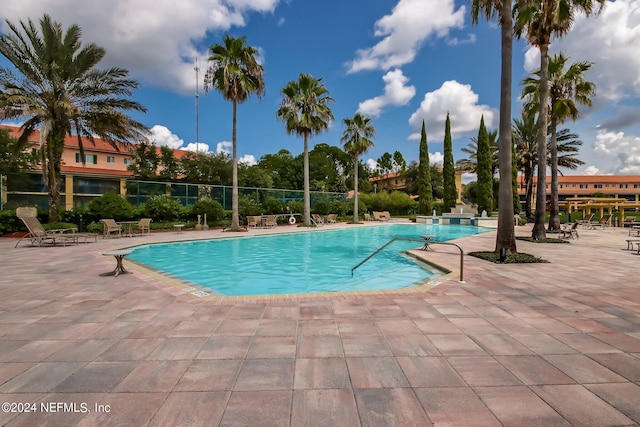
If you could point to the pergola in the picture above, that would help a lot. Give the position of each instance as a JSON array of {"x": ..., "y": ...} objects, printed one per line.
[{"x": 610, "y": 205}]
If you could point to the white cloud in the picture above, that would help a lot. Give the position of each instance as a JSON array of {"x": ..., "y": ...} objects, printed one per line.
[
  {"x": 156, "y": 43},
  {"x": 224, "y": 147},
  {"x": 620, "y": 152},
  {"x": 248, "y": 159},
  {"x": 460, "y": 102},
  {"x": 371, "y": 164},
  {"x": 396, "y": 93},
  {"x": 436, "y": 158},
  {"x": 200, "y": 147},
  {"x": 591, "y": 170},
  {"x": 606, "y": 40},
  {"x": 410, "y": 23},
  {"x": 160, "y": 135}
]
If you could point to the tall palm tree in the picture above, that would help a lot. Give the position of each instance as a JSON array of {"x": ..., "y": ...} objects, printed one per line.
[
  {"x": 57, "y": 90},
  {"x": 236, "y": 73},
  {"x": 305, "y": 111},
  {"x": 502, "y": 9},
  {"x": 357, "y": 139},
  {"x": 542, "y": 20},
  {"x": 525, "y": 131},
  {"x": 567, "y": 87}
]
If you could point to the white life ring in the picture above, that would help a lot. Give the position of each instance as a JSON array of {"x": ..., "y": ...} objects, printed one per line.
[{"x": 292, "y": 220}]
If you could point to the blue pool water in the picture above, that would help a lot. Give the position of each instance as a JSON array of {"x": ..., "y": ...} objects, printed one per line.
[{"x": 316, "y": 261}]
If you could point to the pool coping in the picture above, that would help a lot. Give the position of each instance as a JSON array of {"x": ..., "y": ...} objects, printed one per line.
[{"x": 206, "y": 294}]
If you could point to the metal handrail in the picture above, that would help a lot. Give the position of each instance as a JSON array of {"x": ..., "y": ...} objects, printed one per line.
[{"x": 427, "y": 242}]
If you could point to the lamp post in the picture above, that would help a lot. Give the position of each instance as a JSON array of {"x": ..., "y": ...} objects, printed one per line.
[{"x": 196, "y": 67}]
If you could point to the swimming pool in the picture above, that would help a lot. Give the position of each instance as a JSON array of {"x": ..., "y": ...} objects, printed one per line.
[{"x": 293, "y": 263}]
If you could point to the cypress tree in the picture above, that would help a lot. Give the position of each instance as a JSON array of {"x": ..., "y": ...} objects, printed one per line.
[
  {"x": 483, "y": 170},
  {"x": 448, "y": 172},
  {"x": 425, "y": 191}
]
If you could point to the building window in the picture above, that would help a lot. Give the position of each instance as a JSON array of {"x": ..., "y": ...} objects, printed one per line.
[
  {"x": 597, "y": 185},
  {"x": 88, "y": 158},
  {"x": 624, "y": 185},
  {"x": 111, "y": 159},
  {"x": 584, "y": 185},
  {"x": 127, "y": 161},
  {"x": 636, "y": 185}
]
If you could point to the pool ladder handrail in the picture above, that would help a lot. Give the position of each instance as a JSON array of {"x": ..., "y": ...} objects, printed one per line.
[{"x": 427, "y": 242}]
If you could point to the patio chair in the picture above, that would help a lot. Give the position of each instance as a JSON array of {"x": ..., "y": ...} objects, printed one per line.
[
  {"x": 111, "y": 227},
  {"x": 367, "y": 217},
  {"x": 36, "y": 232},
  {"x": 569, "y": 231},
  {"x": 271, "y": 221},
  {"x": 144, "y": 226},
  {"x": 604, "y": 222},
  {"x": 586, "y": 221},
  {"x": 331, "y": 218},
  {"x": 317, "y": 220},
  {"x": 254, "y": 221}
]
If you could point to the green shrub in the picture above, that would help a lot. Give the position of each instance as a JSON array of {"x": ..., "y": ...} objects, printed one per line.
[
  {"x": 274, "y": 206},
  {"x": 212, "y": 208},
  {"x": 162, "y": 208},
  {"x": 396, "y": 202},
  {"x": 9, "y": 222},
  {"x": 341, "y": 208},
  {"x": 296, "y": 206},
  {"x": 110, "y": 205},
  {"x": 248, "y": 204},
  {"x": 321, "y": 207}
]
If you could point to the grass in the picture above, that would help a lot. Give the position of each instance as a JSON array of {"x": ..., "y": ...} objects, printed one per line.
[{"x": 517, "y": 258}]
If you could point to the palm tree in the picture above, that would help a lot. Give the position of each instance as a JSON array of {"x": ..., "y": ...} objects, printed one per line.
[
  {"x": 357, "y": 139},
  {"x": 470, "y": 164},
  {"x": 543, "y": 20},
  {"x": 236, "y": 73},
  {"x": 56, "y": 89},
  {"x": 305, "y": 111},
  {"x": 566, "y": 88},
  {"x": 524, "y": 132},
  {"x": 502, "y": 9}
]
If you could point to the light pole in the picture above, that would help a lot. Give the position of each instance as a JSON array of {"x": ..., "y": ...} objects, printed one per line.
[{"x": 196, "y": 67}]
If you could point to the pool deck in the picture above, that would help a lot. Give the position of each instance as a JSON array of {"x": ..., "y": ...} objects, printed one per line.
[{"x": 519, "y": 345}]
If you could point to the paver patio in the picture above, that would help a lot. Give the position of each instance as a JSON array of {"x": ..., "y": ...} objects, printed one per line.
[{"x": 520, "y": 344}]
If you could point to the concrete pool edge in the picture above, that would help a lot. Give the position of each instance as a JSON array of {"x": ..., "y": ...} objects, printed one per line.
[{"x": 444, "y": 271}]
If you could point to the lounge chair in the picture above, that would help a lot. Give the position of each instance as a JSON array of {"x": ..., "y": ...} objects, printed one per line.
[
  {"x": 586, "y": 221},
  {"x": 386, "y": 215},
  {"x": 271, "y": 221},
  {"x": 331, "y": 218},
  {"x": 111, "y": 227},
  {"x": 317, "y": 220},
  {"x": 604, "y": 222},
  {"x": 569, "y": 231},
  {"x": 367, "y": 217},
  {"x": 144, "y": 226},
  {"x": 38, "y": 235}
]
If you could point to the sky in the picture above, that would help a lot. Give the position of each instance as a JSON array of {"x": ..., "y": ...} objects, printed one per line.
[{"x": 397, "y": 61}]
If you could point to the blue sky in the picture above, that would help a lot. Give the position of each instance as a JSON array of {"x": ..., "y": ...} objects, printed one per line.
[{"x": 398, "y": 61}]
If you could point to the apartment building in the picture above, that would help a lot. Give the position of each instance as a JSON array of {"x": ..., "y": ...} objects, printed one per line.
[
  {"x": 104, "y": 169},
  {"x": 572, "y": 186}
]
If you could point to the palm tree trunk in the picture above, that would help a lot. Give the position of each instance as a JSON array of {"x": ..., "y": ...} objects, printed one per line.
[
  {"x": 506, "y": 236},
  {"x": 541, "y": 186},
  {"x": 528, "y": 179},
  {"x": 554, "y": 217},
  {"x": 235, "y": 217},
  {"x": 356, "y": 215},
  {"x": 307, "y": 194}
]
